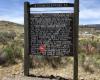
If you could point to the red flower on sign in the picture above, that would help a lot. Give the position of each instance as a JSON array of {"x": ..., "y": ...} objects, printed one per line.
[{"x": 42, "y": 48}]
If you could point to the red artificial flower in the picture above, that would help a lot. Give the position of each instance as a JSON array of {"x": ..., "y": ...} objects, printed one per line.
[{"x": 42, "y": 48}]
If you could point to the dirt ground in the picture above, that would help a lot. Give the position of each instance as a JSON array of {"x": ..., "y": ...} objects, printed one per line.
[{"x": 15, "y": 72}]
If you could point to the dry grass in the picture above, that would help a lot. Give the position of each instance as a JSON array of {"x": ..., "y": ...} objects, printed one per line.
[{"x": 66, "y": 72}]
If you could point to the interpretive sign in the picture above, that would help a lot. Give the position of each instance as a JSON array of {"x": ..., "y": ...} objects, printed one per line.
[{"x": 51, "y": 34}]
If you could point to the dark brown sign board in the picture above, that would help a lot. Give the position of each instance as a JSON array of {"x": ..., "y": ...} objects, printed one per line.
[{"x": 51, "y": 34}]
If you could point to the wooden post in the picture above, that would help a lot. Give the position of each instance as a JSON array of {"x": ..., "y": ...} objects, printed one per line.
[
  {"x": 26, "y": 38},
  {"x": 76, "y": 24}
]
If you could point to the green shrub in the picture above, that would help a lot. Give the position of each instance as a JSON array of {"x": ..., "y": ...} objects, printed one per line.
[
  {"x": 94, "y": 43},
  {"x": 37, "y": 61},
  {"x": 82, "y": 58},
  {"x": 10, "y": 55},
  {"x": 13, "y": 52},
  {"x": 5, "y": 37},
  {"x": 96, "y": 60},
  {"x": 86, "y": 62}
]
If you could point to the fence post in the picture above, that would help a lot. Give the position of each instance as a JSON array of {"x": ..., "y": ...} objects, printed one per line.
[
  {"x": 26, "y": 38},
  {"x": 76, "y": 24}
]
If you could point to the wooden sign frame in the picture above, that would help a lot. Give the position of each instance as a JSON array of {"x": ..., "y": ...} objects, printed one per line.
[{"x": 27, "y": 7}]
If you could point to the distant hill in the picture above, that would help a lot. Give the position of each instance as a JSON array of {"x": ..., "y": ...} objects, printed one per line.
[
  {"x": 96, "y": 26},
  {"x": 11, "y": 26},
  {"x": 7, "y": 26},
  {"x": 8, "y": 23}
]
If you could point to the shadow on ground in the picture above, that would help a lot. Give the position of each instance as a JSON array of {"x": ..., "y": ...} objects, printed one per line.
[{"x": 50, "y": 77}]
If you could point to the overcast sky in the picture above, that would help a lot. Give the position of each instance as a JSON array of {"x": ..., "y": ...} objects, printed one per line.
[{"x": 12, "y": 10}]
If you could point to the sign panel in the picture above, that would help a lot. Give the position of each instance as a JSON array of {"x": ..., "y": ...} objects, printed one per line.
[{"x": 51, "y": 34}]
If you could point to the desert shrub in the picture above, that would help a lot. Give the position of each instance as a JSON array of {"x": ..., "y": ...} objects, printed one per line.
[
  {"x": 3, "y": 39},
  {"x": 89, "y": 62},
  {"x": 13, "y": 52},
  {"x": 11, "y": 35},
  {"x": 96, "y": 60},
  {"x": 36, "y": 61},
  {"x": 6, "y": 36},
  {"x": 82, "y": 43},
  {"x": 94, "y": 43},
  {"x": 85, "y": 61},
  {"x": 88, "y": 68},
  {"x": 3, "y": 57},
  {"x": 89, "y": 58},
  {"x": 82, "y": 58},
  {"x": 10, "y": 55},
  {"x": 87, "y": 46},
  {"x": 21, "y": 36},
  {"x": 21, "y": 42},
  {"x": 54, "y": 62},
  {"x": 97, "y": 63}
]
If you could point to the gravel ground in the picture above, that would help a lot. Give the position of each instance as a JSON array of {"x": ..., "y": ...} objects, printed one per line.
[
  {"x": 20, "y": 77},
  {"x": 15, "y": 72}
]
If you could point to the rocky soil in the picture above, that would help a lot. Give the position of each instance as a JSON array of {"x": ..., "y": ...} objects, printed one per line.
[{"x": 15, "y": 72}]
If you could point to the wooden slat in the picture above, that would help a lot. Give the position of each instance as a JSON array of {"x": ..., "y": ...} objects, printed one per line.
[
  {"x": 52, "y": 5},
  {"x": 26, "y": 39},
  {"x": 76, "y": 28}
]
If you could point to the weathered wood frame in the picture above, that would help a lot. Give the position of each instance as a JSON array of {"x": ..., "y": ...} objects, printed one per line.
[
  {"x": 75, "y": 40},
  {"x": 26, "y": 38},
  {"x": 27, "y": 7}
]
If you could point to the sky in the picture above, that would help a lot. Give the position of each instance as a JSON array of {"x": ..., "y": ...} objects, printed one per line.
[{"x": 13, "y": 10}]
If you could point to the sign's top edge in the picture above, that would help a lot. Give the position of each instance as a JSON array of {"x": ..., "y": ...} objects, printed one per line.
[
  {"x": 51, "y": 13},
  {"x": 52, "y": 5}
]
